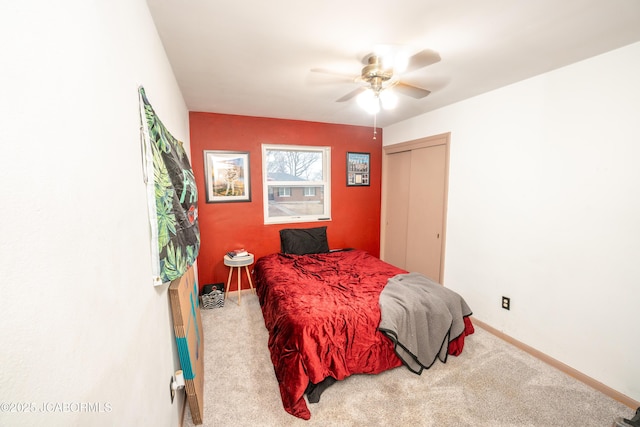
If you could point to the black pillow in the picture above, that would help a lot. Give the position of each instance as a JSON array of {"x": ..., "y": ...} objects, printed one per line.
[{"x": 301, "y": 241}]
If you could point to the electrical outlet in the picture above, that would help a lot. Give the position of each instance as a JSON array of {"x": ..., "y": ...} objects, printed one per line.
[
  {"x": 506, "y": 303},
  {"x": 173, "y": 390}
]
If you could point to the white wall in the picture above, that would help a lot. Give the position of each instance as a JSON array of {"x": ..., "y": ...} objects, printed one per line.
[
  {"x": 81, "y": 321},
  {"x": 544, "y": 207}
]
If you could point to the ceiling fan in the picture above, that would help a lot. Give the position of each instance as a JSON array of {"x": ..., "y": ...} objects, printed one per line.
[{"x": 381, "y": 72}]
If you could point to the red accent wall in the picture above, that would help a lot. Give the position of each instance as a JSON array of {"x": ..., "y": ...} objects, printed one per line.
[{"x": 355, "y": 211}]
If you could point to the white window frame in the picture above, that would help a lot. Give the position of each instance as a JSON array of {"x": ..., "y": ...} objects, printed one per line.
[
  {"x": 325, "y": 183},
  {"x": 311, "y": 193}
]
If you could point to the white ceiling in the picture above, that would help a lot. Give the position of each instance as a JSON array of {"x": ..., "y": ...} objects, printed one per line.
[{"x": 254, "y": 57}]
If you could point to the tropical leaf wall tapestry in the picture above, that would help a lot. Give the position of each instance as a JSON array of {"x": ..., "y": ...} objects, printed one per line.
[{"x": 172, "y": 198}]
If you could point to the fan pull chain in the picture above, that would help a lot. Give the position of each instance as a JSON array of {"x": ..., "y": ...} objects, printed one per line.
[{"x": 375, "y": 129}]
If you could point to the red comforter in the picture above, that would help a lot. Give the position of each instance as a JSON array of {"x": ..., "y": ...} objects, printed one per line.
[{"x": 322, "y": 314}]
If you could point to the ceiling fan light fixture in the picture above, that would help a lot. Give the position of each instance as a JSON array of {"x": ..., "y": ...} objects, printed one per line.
[
  {"x": 369, "y": 101},
  {"x": 380, "y": 74},
  {"x": 388, "y": 99}
]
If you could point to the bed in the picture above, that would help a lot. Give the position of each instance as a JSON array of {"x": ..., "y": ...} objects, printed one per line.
[{"x": 322, "y": 311}]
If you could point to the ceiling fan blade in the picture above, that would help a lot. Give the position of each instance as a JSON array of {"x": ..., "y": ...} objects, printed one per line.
[
  {"x": 410, "y": 90},
  {"x": 351, "y": 94},
  {"x": 349, "y": 78},
  {"x": 422, "y": 59}
]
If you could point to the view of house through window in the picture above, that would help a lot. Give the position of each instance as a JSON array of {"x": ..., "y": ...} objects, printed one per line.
[{"x": 296, "y": 183}]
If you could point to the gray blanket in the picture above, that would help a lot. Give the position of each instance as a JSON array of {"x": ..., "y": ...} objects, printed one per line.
[{"x": 421, "y": 316}]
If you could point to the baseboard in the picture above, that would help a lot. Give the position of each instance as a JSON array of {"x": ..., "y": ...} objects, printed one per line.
[{"x": 608, "y": 391}]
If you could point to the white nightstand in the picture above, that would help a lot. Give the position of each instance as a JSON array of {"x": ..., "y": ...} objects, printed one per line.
[{"x": 238, "y": 262}]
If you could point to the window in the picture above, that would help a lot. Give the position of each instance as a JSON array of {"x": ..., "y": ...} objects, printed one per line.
[
  {"x": 296, "y": 183},
  {"x": 284, "y": 191}
]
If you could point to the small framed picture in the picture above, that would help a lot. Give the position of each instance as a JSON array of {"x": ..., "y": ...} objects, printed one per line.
[
  {"x": 358, "y": 169},
  {"x": 227, "y": 176}
]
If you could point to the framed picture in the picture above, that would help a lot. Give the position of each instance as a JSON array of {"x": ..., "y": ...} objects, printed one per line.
[
  {"x": 227, "y": 176},
  {"x": 358, "y": 169}
]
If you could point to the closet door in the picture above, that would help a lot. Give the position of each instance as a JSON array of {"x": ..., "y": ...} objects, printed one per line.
[
  {"x": 414, "y": 201},
  {"x": 397, "y": 200},
  {"x": 426, "y": 211}
]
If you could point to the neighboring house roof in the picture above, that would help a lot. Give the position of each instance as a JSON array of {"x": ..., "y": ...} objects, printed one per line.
[{"x": 281, "y": 176}]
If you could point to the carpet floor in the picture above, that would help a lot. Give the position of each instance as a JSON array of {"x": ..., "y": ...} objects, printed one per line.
[{"x": 492, "y": 384}]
